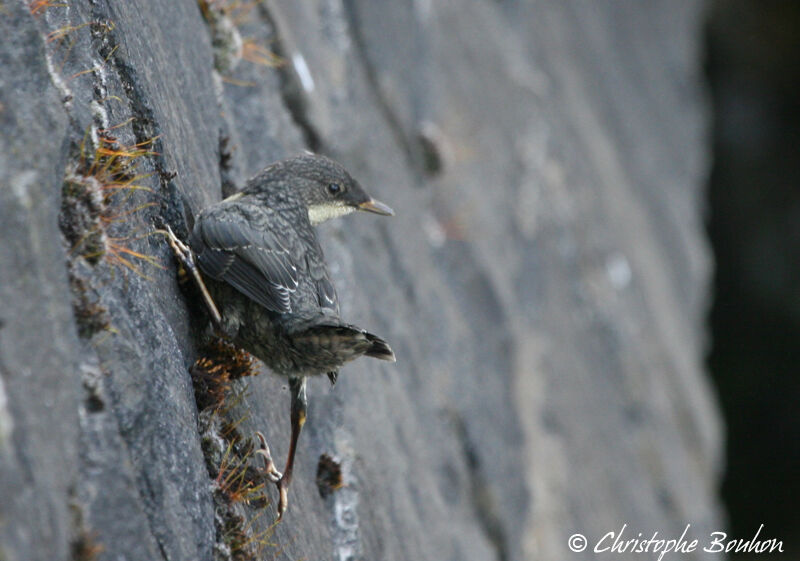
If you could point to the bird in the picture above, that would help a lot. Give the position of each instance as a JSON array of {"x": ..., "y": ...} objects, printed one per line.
[{"x": 258, "y": 262}]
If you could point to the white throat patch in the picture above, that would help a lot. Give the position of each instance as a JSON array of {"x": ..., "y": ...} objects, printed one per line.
[{"x": 320, "y": 213}]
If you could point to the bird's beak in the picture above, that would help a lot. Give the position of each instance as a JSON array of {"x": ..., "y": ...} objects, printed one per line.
[{"x": 377, "y": 207}]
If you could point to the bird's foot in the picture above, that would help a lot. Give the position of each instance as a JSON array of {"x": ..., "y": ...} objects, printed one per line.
[
  {"x": 185, "y": 256},
  {"x": 272, "y": 473},
  {"x": 180, "y": 249},
  {"x": 270, "y": 470}
]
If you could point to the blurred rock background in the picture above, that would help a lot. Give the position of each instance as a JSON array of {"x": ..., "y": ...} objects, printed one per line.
[{"x": 545, "y": 284}]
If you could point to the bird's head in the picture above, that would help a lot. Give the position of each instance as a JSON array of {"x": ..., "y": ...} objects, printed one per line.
[{"x": 325, "y": 187}]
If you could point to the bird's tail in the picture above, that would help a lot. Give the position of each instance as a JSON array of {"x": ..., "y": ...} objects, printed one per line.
[
  {"x": 344, "y": 342},
  {"x": 379, "y": 348}
]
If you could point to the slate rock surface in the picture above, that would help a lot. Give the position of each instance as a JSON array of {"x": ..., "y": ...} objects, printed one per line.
[{"x": 544, "y": 283}]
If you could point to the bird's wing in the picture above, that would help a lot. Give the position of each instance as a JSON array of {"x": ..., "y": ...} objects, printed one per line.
[
  {"x": 318, "y": 273},
  {"x": 326, "y": 293},
  {"x": 248, "y": 249}
]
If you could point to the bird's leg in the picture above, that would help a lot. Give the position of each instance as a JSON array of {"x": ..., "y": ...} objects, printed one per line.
[
  {"x": 186, "y": 257},
  {"x": 297, "y": 386}
]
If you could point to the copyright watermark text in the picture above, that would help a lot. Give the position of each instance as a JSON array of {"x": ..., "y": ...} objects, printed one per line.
[{"x": 624, "y": 541}]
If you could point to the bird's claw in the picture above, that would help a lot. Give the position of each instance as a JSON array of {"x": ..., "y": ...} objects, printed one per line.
[
  {"x": 283, "y": 496},
  {"x": 273, "y": 474},
  {"x": 270, "y": 470},
  {"x": 181, "y": 250}
]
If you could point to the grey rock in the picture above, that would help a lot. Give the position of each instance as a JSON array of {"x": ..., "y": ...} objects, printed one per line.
[
  {"x": 39, "y": 346},
  {"x": 543, "y": 285}
]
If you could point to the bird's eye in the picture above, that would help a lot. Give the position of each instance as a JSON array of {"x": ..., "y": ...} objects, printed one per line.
[{"x": 334, "y": 188}]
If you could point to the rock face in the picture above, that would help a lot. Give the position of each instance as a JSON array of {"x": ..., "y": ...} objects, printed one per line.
[{"x": 543, "y": 284}]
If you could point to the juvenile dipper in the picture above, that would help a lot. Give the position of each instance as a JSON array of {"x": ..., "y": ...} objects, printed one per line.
[{"x": 264, "y": 269}]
